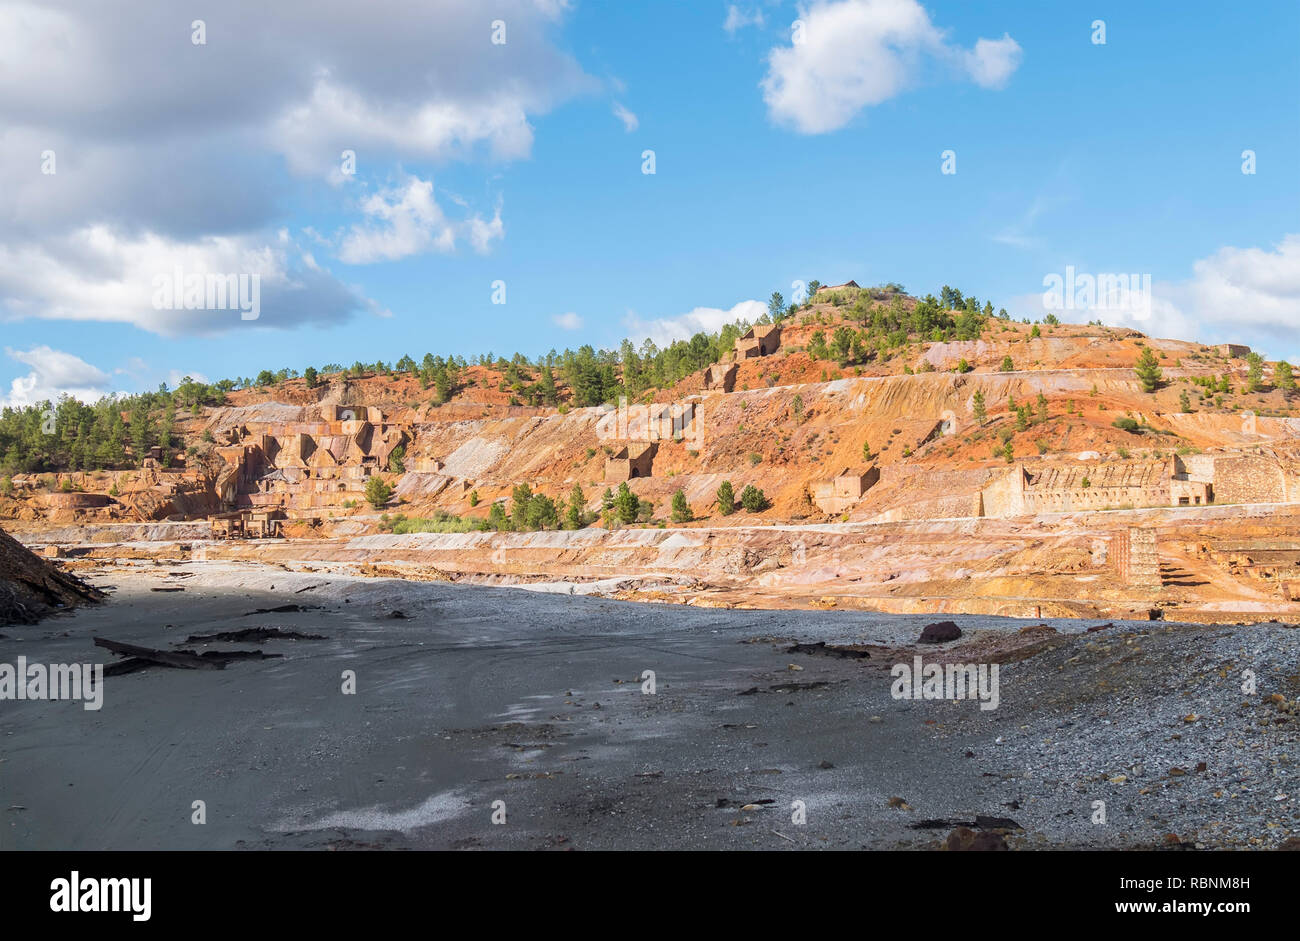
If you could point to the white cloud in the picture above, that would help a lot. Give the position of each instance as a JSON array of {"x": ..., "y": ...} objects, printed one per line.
[
  {"x": 992, "y": 61},
  {"x": 407, "y": 220},
  {"x": 54, "y": 374},
  {"x": 567, "y": 321},
  {"x": 174, "y": 147},
  {"x": 859, "y": 53},
  {"x": 630, "y": 122},
  {"x": 737, "y": 19},
  {"x": 1241, "y": 295},
  {"x": 702, "y": 319},
  {"x": 100, "y": 274}
]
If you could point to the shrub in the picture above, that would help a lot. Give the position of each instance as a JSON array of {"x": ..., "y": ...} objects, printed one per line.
[
  {"x": 753, "y": 500},
  {"x": 1126, "y": 424}
]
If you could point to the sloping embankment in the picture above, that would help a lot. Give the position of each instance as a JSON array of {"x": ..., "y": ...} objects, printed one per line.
[{"x": 32, "y": 588}]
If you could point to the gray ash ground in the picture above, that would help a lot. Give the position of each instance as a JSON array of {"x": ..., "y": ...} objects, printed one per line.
[{"x": 483, "y": 695}]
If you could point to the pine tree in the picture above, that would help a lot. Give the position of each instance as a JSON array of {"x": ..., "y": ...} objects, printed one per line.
[
  {"x": 1148, "y": 370},
  {"x": 726, "y": 499},
  {"x": 977, "y": 405},
  {"x": 573, "y": 519},
  {"x": 626, "y": 504},
  {"x": 681, "y": 509},
  {"x": 1283, "y": 376}
]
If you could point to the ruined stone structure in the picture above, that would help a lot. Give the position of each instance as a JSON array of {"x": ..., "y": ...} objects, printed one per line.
[
  {"x": 721, "y": 376},
  {"x": 1235, "y": 350},
  {"x": 1136, "y": 561},
  {"x": 844, "y": 489},
  {"x": 305, "y": 465},
  {"x": 825, "y": 288},
  {"x": 1068, "y": 488},
  {"x": 631, "y": 461},
  {"x": 759, "y": 340},
  {"x": 247, "y": 524}
]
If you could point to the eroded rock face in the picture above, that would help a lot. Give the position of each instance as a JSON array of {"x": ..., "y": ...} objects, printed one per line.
[{"x": 32, "y": 588}]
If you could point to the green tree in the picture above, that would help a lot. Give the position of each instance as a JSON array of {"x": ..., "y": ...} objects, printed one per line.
[
  {"x": 1042, "y": 408},
  {"x": 378, "y": 493},
  {"x": 1254, "y": 372},
  {"x": 519, "y": 499},
  {"x": 575, "y": 517},
  {"x": 473, "y": 498},
  {"x": 1007, "y": 364},
  {"x": 1283, "y": 376},
  {"x": 626, "y": 504},
  {"x": 1148, "y": 370},
  {"x": 310, "y": 375},
  {"x": 397, "y": 460},
  {"x": 1184, "y": 402},
  {"x": 681, "y": 509},
  {"x": 726, "y": 499},
  {"x": 753, "y": 500},
  {"x": 977, "y": 405},
  {"x": 776, "y": 306}
]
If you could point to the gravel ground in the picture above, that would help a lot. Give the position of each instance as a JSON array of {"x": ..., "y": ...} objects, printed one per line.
[{"x": 484, "y": 702}]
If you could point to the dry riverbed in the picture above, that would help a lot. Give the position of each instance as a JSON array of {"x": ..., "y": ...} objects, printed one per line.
[{"x": 473, "y": 704}]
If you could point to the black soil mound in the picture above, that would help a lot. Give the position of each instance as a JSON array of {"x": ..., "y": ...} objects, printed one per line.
[{"x": 32, "y": 588}]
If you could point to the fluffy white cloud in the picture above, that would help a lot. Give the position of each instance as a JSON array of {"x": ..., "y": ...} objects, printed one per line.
[
  {"x": 164, "y": 142},
  {"x": 567, "y": 321},
  {"x": 702, "y": 319},
  {"x": 98, "y": 273},
  {"x": 407, "y": 220},
  {"x": 992, "y": 61},
  {"x": 852, "y": 54},
  {"x": 1241, "y": 295},
  {"x": 630, "y": 121},
  {"x": 54, "y": 373},
  {"x": 738, "y": 19}
]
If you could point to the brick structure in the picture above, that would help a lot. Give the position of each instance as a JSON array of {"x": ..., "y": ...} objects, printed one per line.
[
  {"x": 1233, "y": 350},
  {"x": 1136, "y": 561}
]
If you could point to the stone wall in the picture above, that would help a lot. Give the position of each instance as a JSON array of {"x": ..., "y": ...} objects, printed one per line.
[
  {"x": 1137, "y": 563},
  {"x": 1248, "y": 479}
]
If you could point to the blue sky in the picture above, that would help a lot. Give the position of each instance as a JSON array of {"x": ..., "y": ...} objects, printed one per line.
[{"x": 476, "y": 162}]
